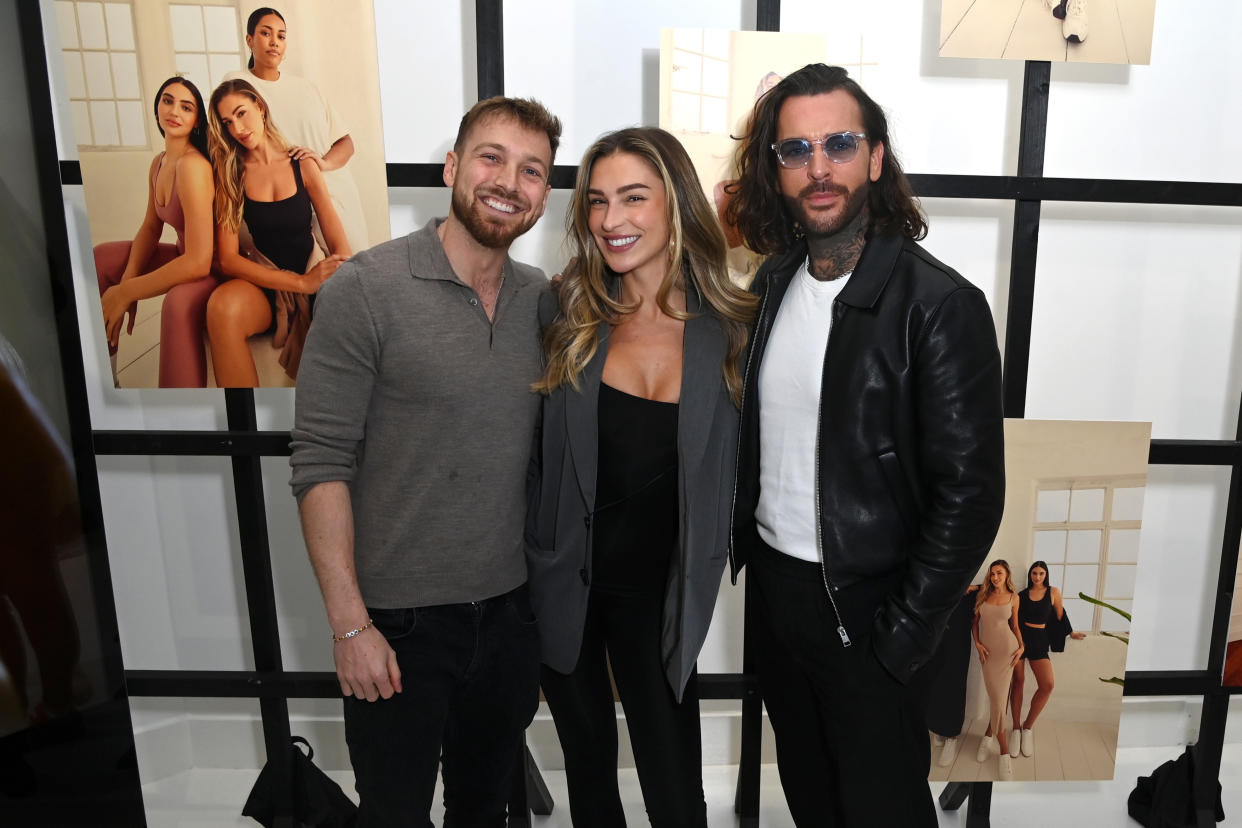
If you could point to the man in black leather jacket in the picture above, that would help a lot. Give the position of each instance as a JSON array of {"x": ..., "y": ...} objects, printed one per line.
[{"x": 870, "y": 478}]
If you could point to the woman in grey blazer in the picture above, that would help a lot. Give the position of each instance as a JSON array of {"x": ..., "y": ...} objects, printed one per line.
[{"x": 628, "y": 529}]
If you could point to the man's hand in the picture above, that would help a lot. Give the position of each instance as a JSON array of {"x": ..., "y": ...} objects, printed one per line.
[{"x": 366, "y": 666}]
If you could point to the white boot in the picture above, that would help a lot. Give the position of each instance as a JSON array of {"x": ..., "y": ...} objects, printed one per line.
[
  {"x": 1074, "y": 26},
  {"x": 947, "y": 753},
  {"x": 1028, "y": 742},
  {"x": 1015, "y": 739},
  {"x": 985, "y": 748},
  {"x": 1006, "y": 767}
]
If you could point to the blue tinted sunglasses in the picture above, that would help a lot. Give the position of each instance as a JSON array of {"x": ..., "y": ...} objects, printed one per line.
[{"x": 839, "y": 148}]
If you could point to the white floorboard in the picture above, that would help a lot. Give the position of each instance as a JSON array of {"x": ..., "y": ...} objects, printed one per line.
[{"x": 212, "y": 798}]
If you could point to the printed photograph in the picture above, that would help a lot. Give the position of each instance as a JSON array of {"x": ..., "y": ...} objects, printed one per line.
[
  {"x": 1028, "y": 680},
  {"x": 232, "y": 157},
  {"x": 709, "y": 82},
  {"x": 1082, "y": 31}
]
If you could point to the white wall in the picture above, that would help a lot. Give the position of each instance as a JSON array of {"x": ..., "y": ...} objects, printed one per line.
[{"x": 1136, "y": 308}]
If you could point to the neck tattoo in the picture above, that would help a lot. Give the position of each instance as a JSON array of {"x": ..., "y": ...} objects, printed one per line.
[{"x": 833, "y": 256}]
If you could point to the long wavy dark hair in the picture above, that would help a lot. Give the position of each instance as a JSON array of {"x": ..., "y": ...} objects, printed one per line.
[
  {"x": 697, "y": 257},
  {"x": 757, "y": 207},
  {"x": 198, "y": 133}
]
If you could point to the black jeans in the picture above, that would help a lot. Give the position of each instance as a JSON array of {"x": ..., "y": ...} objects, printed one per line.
[
  {"x": 624, "y": 630},
  {"x": 851, "y": 741},
  {"x": 470, "y": 686}
]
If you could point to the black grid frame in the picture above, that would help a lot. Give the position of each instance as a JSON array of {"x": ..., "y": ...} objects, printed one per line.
[{"x": 245, "y": 445}]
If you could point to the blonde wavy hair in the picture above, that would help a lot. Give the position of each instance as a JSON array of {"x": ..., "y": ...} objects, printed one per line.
[
  {"x": 697, "y": 258},
  {"x": 987, "y": 589},
  {"x": 228, "y": 156}
]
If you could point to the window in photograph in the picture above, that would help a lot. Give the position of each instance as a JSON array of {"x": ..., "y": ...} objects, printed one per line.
[
  {"x": 1088, "y": 532},
  {"x": 102, "y": 75},
  {"x": 206, "y": 42},
  {"x": 700, "y": 80}
]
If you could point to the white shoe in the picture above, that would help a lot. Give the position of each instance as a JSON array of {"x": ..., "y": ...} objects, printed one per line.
[
  {"x": 937, "y": 740},
  {"x": 1006, "y": 767},
  {"x": 985, "y": 748},
  {"x": 1074, "y": 26},
  {"x": 1015, "y": 739},
  {"x": 947, "y": 753},
  {"x": 1028, "y": 742}
]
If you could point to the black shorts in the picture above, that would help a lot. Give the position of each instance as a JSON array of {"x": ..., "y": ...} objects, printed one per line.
[{"x": 1035, "y": 642}]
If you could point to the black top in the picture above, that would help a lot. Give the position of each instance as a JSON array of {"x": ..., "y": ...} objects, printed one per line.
[
  {"x": 1034, "y": 612},
  {"x": 635, "y": 521},
  {"x": 282, "y": 229}
]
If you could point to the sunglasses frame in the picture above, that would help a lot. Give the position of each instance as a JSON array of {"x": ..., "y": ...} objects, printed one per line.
[{"x": 823, "y": 145}]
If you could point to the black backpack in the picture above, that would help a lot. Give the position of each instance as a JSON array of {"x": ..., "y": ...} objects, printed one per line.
[{"x": 1166, "y": 798}]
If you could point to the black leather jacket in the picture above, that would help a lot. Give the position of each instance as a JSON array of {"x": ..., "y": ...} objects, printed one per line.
[{"x": 910, "y": 451}]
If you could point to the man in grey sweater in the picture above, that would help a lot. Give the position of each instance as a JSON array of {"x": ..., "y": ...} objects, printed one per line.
[{"x": 411, "y": 441}]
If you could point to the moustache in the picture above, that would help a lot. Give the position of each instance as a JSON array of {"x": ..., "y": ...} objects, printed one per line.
[{"x": 818, "y": 187}]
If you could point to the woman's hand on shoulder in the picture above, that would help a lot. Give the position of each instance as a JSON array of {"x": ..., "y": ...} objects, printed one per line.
[{"x": 306, "y": 153}]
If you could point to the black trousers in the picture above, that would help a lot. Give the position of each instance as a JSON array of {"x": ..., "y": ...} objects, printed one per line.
[
  {"x": 624, "y": 630},
  {"x": 470, "y": 686},
  {"x": 851, "y": 742}
]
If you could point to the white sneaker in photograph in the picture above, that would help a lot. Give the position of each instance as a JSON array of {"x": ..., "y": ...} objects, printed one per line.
[
  {"x": 1015, "y": 740},
  {"x": 1006, "y": 767},
  {"x": 1074, "y": 26},
  {"x": 1028, "y": 742},
  {"x": 947, "y": 753},
  {"x": 985, "y": 748}
]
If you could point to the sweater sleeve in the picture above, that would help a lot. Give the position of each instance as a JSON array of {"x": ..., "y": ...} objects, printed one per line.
[{"x": 335, "y": 381}]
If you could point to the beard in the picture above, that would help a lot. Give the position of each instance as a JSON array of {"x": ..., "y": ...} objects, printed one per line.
[
  {"x": 486, "y": 230},
  {"x": 826, "y": 223}
]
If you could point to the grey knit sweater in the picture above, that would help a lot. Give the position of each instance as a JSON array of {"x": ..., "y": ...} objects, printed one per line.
[{"x": 423, "y": 406}]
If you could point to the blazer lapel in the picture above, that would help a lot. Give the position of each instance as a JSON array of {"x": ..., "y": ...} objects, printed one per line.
[
  {"x": 582, "y": 420},
  {"x": 703, "y": 352}
]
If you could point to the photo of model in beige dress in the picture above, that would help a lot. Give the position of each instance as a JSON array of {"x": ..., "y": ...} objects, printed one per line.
[{"x": 1029, "y": 670}]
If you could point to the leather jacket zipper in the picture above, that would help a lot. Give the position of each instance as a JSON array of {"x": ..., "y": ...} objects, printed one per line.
[{"x": 819, "y": 518}]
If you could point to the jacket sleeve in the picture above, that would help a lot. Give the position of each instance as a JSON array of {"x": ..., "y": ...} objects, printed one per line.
[
  {"x": 959, "y": 439},
  {"x": 334, "y": 387}
]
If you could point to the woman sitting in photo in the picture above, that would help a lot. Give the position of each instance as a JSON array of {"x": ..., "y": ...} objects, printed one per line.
[
  {"x": 264, "y": 201},
  {"x": 179, "y": 195}
]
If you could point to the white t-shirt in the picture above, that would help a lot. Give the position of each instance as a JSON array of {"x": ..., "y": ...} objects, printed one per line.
[
  {"x": 304, "y": 117},
  {"x": 790, "y": 377}
]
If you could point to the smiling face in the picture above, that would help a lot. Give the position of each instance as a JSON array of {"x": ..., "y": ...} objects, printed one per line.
[
  {"x": 242, "y": 118},
  {"x": 823, "y": 197},
  {"x": 499, "y": 180},
  {"x": 997, "y": 576},
  {"x": 267, "y": 44},
  {"x": 177, "y": 111},
  {"x": 628, "y": 215}
]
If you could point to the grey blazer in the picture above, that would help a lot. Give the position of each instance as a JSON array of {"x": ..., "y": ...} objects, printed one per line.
[{"x": 558, "y": 527}]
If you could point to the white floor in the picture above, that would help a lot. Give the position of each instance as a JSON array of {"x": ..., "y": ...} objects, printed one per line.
[{"x": 212, "y": 798}]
